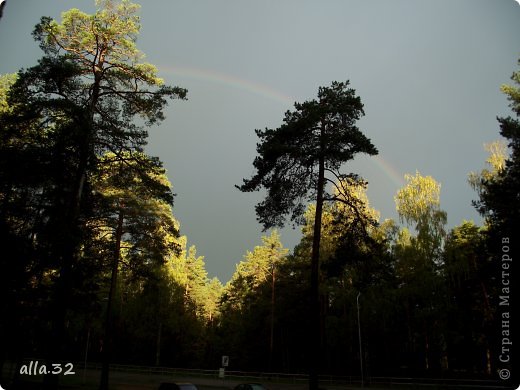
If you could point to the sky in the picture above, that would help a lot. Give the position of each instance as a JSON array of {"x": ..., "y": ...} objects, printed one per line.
[{"x": 428, "y": 74}]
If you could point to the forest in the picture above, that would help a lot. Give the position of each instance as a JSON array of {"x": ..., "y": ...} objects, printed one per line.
[{"x": 94, "y": 261}]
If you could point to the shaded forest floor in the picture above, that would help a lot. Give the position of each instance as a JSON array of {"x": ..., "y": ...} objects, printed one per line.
[
  {"x": 89, "y": 380},
  {"x": 147, "y": 379}
]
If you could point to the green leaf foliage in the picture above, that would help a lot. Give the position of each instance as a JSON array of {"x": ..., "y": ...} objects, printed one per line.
[{"x": 499, "y": 195}]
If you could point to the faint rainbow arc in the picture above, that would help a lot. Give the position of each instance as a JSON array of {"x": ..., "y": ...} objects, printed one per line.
[
  {"x": 270, "y": 93},
  {"x": 389, "y": 170},
  {"x": 229, "y": 80}
]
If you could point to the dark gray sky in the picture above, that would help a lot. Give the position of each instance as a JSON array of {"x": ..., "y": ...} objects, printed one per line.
[{"x": 428, "y": 73}]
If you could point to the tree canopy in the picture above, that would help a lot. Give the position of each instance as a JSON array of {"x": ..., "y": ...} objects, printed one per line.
[
  {"x": 288, "y": 160},
  {"x": 90, "y": 94},
  {"x": 499, "y": 194}
]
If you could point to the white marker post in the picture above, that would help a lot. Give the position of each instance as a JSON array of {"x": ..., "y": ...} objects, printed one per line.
[{"x": 225, "y": 363}]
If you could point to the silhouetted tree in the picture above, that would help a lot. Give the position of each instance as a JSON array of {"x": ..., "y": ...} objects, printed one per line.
[
  {"x": 134, "y": 218},
  {"x": 468, "y": 274},
  {"x": 79, "y": 102},
  {"x": 500, "y": 191},
  {"x": 292, "y": 162}
]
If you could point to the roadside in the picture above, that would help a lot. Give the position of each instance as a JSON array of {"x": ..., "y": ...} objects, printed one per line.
[
  {"x": 89, "y": 380},
  {"x": 149, "y": 378}
]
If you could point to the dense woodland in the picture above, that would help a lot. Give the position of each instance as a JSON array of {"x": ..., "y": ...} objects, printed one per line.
[{"x": 93, "y": 259}]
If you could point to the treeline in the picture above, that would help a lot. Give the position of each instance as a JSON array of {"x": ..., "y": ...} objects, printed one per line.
[
  {"x": 415, "y": 300},
  {"x": 427, "y": 297},
  {"x": 94, "y": 265}
]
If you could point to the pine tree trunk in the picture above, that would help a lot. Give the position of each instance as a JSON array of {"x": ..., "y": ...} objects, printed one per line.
[
  {"x": 67, "y": 252},
  {"x": 107, "y": 350},
  {"x": 315, "y": 337},
  {"x": 158, "y": 345}
]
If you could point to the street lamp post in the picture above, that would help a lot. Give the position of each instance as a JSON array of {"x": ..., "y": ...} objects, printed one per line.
[{"x": 359, "y": 335}]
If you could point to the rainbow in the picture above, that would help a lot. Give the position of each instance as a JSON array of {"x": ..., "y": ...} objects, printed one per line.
[
  {"x": 389, "y": 170},
  {"x": 228, "y": 80},
  {"x": 270, "y": 93}
]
